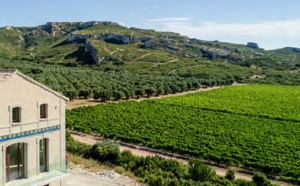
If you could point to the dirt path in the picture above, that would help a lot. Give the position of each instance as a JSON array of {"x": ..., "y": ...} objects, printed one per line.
[
  {"x": 144, "y": 151},
  {"x": 143, "y": 56},
  {"x": 171, "y": 61}
]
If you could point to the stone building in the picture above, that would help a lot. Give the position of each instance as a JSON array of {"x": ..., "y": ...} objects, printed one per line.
[{"x": 32, "y": 132}]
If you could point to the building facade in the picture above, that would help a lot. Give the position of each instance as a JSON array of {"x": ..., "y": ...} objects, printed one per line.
[{"x": 32, "y": 132}]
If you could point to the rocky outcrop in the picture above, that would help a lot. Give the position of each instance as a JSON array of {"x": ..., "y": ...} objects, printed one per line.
[
  {"x": 150, "y": 45},
  {"x": 76, "y": 37},
  {"x": 166, "y": 40},
  {"x": 214, "y": 54},
  {"x": 198, "y": 41},
  {"x": 153, "y": 45},
  {"x": 175, "y": 49},
  {"x": 32, "y": 36},
  {"x": 191, "y": 46},
  {"x": 259, "y": 54},
  {"x": 116, "y": 38},
  {"x": 109, "y": 38},
  {"x": 89, "y": 48},
  {"x": 121, "y": 39},
  {"x": 53, "y": 27},
  {"x": 238, "y": 51},
  {"x": 252, "y": 45},
  {"x": 8, "y": 28},
  {"x": 296, "y": 49}
]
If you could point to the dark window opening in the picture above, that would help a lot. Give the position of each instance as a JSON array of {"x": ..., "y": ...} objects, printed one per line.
[
  {"x": 16, "y": 115},
  {"x": 43, "y": 111}
]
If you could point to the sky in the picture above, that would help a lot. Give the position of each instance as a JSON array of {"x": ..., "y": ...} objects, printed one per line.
[{"x": 270, "y": 23}]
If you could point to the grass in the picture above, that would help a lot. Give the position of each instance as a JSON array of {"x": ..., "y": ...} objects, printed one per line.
[
  {"x": 92, "y": 165},
  {"x": 88, "y": 164}
]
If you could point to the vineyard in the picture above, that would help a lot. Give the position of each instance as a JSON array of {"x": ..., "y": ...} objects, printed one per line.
[{"x": 255, "y": 126}]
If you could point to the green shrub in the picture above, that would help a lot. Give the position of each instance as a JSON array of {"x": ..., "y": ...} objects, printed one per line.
[
  {"x": 200, "y": 172},
  {"x": 260, "y": 179},
  {"x": 106, "y": 152},
  {"x": 230, "y": 174}
]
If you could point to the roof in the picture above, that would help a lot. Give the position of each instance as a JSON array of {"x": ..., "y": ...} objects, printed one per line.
[{"x": 7, "y": 73}]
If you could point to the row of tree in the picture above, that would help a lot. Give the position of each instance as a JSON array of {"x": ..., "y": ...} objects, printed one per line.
[{"x": 139, "y": 91}]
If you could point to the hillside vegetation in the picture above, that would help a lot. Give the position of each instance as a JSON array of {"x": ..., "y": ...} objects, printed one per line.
[
  {"x": 81, "y": 59},
  {"x": 248, "y": 133}
]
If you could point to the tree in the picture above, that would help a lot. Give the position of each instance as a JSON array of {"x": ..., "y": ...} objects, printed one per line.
[
  {"x": 105, "y": 95},
  {"x": 200, "y": 172},
  {"x": 97, "y": 93},
  {"x": 86, "y": 93},
  {"x": 160, "y": 91},
  {"x": 150, "y": 91},
  {"x": 183, "y": 86},
  {"x": 230, "y": 174},
  {"x": 196, "y": 85},
  {"x": 106, "y": 151},
  {"x": 71, "y": 94},
  {"x": 167, "y": 89},
  {"x": 189, "y": 85},
  {"x": 139, "y": 92},
  {"x": 260, "y": 179},
  {"x": 175, "y": 88},
  {"x": 118, "y": 95}
]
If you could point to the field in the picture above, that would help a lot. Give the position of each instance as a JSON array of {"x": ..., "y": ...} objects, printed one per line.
[{"x": 254, "y": 126}]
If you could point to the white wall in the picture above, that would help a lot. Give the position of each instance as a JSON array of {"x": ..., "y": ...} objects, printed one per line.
[{"x": 18, "y": 91}]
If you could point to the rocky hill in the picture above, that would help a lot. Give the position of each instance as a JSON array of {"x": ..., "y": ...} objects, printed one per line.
[
  {"x": 89, "y": 57},
  {"x": 98, "y": 42}
]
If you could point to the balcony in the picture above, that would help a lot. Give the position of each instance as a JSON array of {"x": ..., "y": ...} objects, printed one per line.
[
  {"x": 29, "y": 129},
  {"x": 35, "y": 178}
]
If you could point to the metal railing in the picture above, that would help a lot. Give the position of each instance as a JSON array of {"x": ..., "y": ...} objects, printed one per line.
[
  {"x": 34, "y": 177},
  {"x": 33, "y": 125}
]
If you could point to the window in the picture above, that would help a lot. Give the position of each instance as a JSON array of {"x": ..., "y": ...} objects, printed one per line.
[
  {"x": 43, "y": 111},
  {"x": 44, "y": 155},
  {"x": 15, "y": 162},
  {"x": 16, "y": 114}
]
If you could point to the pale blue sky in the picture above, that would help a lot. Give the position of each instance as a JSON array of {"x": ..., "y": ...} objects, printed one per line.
[{"x": 272, "y": 24}]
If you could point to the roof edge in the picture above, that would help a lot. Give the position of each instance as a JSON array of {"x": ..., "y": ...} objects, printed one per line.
[
  {"x": 41, "y": 85},
  {"x": 10, "y": 71}
]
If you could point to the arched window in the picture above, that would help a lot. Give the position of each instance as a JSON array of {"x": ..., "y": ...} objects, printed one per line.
[
  {"x": 15, "y": 161},
  {"x": 44, "y": 151},
  {"x": 43, "y": 111}
]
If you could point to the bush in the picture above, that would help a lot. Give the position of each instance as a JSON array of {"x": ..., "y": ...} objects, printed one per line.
[
  {"x": 200, "y": 172},
  {"x": 127, "y": 160},
  {"x": 77, "y": 148},
  {"x": 106, "y": 152},
  {"x": 230, "y": 174},
  {"x": 260, "y": 179}
]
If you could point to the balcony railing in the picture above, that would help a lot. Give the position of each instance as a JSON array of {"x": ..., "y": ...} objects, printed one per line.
[
  {"x": 35, "y": 177},
  {"x": 20, "y": 127}
]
